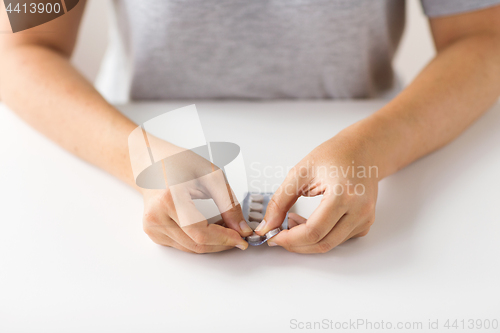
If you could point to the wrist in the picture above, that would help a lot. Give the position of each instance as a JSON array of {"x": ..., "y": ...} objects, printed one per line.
[{"x": 376, "y": 142}]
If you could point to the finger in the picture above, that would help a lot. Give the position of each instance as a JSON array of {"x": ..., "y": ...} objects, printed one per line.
[
  {"x": 292, "y": 224},
  {"x": 234, "y": 219},
  {"x": 356, "y": 233},
  {"x": 227, "y": 203},
  {"x": 322, "y": 221},
  {"x": 178, "y": 235},
  {"x": 314, "y": 189},
  {"x": 294, "y": 220},
  {"x": 212, "y": 234},
  {"x": 164, "y": 240},
  {"x": 194, "y": 224},
  {"x": 362, "y": 234},
  {"x": 335, "y": 237},
  {"x": 297, "y": 218},
  {"x": 200, "y": 234},
  {"x": 282, "y": 200},
  {"x": 181, "y": 207},
  {"x": 156, "y": 226}
]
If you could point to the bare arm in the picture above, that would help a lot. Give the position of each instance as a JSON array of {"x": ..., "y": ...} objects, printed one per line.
[
  {"x": 38, "y": 82},
  {"x": 457, "y": 87}
]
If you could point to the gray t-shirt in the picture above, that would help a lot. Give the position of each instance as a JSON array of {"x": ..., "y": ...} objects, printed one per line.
[{"x": 259, "y": 49}]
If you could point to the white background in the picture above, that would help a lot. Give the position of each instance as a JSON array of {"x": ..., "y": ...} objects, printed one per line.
[{"x": 415, "y": 51}]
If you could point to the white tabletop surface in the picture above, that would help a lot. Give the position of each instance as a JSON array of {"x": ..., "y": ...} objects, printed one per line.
[{"x": 74, "y": 258}]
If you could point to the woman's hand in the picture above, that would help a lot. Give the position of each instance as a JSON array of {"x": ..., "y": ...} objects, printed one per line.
[
  {"x": 171, "y": 218},
  {"x": 342, "y": 172}
]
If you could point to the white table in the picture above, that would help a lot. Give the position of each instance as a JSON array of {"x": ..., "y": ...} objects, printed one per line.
[{"x": 74, "y": 258}]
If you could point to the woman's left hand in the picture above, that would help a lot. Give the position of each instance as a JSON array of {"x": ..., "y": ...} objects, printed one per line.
[{"x": 340, "y": 170}]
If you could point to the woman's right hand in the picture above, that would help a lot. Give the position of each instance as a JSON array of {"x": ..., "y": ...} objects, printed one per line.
[{"x": 171, "y": 218}]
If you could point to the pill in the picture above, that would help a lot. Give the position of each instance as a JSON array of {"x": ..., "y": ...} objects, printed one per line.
[
  {"x": 255, "y": 216},
  {"x": 257, "y": 207},
  {"x": 253, "y": 225},
  {"x": 254, "y": 238},
  {"x": 257, "y": 198}
]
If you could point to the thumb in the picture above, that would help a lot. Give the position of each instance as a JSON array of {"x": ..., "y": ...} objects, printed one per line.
[
  {"x": 234, "y": 219},
  {"x": 281, "y": 202},
  {"x": 228, "y": 205}
]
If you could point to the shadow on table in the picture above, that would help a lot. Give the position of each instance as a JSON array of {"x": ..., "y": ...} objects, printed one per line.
[{"x": 391, "y": 244}]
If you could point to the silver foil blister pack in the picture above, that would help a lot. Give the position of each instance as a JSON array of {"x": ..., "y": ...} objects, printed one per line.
[{"x": 254, "y": 209}]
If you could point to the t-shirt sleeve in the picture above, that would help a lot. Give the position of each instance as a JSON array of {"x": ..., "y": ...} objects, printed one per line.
[{"x": 435, "y": 8}]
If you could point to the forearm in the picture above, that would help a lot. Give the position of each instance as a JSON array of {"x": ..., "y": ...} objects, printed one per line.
[
  {"x": 457, "y": 87},
  {"x": 47, "y": 92}
]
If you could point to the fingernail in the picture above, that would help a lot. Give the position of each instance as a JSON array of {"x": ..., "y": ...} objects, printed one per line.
[
  {"x": 272, "y": 244},
  {"x": 241, "y": 247},
  {"x": 261, "y": 225},
  {"x": 244, "y": 226}
]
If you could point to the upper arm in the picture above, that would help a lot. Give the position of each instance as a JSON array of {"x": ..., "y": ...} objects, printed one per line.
[
  {"x": 59, "y": 34},
  {"x": 448, "y": 29}
]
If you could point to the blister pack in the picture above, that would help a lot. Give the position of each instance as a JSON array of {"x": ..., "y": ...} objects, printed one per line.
[{"x": 254, "y": 209}]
